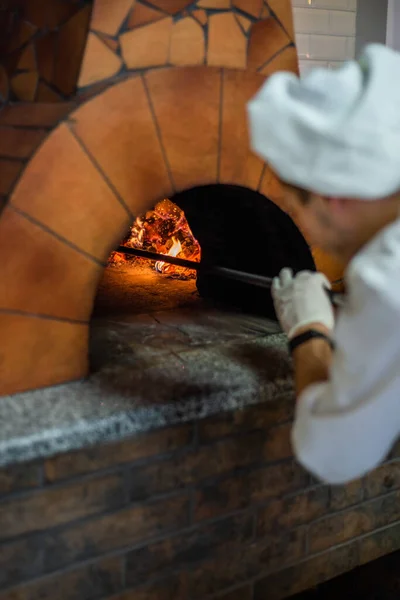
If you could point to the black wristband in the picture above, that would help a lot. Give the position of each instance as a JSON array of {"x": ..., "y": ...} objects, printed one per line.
[{"x": 311, "y": 334}]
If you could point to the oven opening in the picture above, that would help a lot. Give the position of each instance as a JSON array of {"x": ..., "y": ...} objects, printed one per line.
[{"x": 221, "y": 226}]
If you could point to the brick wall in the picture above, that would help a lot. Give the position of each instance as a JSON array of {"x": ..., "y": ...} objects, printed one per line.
[
  {"x": 325, "y": 32},
  {"x": 216, "y": 509}
]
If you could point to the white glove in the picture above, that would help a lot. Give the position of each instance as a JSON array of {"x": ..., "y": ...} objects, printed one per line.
[{"x": 301, "y": 300}]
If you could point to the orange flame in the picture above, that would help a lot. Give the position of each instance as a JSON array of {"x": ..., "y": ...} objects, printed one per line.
[
  {"x": 165, "y": 230},
  {"x": 176, "y": 248}
]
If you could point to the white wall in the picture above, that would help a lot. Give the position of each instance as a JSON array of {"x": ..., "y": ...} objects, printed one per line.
[
  {"x": 325, "y": 32},
  {"x": 393, "y": 25}
]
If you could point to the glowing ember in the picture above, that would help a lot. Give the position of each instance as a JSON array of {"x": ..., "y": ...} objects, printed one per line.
[{"x": 165, "y": 230}]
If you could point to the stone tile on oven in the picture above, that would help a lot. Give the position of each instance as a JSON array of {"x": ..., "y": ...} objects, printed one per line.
[
  {"x": 267, "y": 38},
  {"x": 238, "y": 165},
  {"x": 285, "y": 61},
  {"x": 9, "y": 171},
  {"x": 127, "y": 345},
  {"x": 99, "y": 62},
  {"x": 62, "y": 189},
  {"x": 62, "y": 348},
  {"x": 21, "y": 36},
  {"x": 215, "y": 4},
  {"x": 147, "y": 46},
  {"x": 191, "y": 145},
  {"x": 71, "y": 43},
  {"x": 46, "y": 94},
  {"x": 45, "y": 53},
  {"x": 251, "y": 7},
  {"x": 142, "y": 14},
  {"x": 125, "y": 145},
  {"x": 28, "y": 59},
  {"x": 110, "y": 42},
  {"x": 171, "y": 6},
  {"x": 284, "y": 12},
  {"x": 20, "y": 143},
  {"x": 48, "y": 14},
  {"x": 108, "y": 16},
  {"x": 244, "y": 22},
  {"x": 265, "y": 12},
  {"x": 200, "y": 15},
  {"x": 227, "y": 44},
  {"x": 51, "y": 279},
  {"x": 24, "y": 85},
  {"x": 187, "y": 45},
  {"x": 271, "y": 188}
]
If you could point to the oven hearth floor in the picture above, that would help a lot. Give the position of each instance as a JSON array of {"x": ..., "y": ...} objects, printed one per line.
[{"x": 150, "y": 370}]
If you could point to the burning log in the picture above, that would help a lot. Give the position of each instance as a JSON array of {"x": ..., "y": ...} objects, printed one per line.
[{"x": 165, "y": 231}]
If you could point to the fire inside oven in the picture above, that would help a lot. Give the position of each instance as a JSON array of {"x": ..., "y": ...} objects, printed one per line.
[
  {"x": 222, "y": 225},
  {"x": 163, "y": 230}
]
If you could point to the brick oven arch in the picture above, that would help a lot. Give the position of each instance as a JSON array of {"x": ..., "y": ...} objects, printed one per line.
[{"x": 142, "y": 139}]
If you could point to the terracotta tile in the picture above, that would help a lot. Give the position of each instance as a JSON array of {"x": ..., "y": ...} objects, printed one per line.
[
  {"x": 51, "y": 279},
  {"x": 71, "y": 45},
  {"x": 35, "y": 115},
  {"x": 46, "y": 94},
  {"x": 214, "y": 4},
  {"x": 191, "y": 143},
  {"x": 9, "y": 171},
  {"x": 24, "y": 33},
  {"x": 265, "y": 13},
  {"x": 285, "y": 61},
  {"x": 238, "y": 165},
  {"x": 91, "y": 91},
  {"x": 272, "y": 189},
  {"x": 227, "y": 45},
  {"x": 10, "y": 62},
  {"x": 251, "y": 7},
  {"x": 267, "y": 38},
  {"x": 328, "y": 265},
  {"x": 27, "y": 62},
  {"x": 283, "y": 10},
  {"x": 48, "y": 14},
  {"x": 24, "y": 85},
  {"x": 244, "y": 22},
  {"x": 147, "y": 46},
  {"x": 3, "y": 83},
  {"x": 109, "y": 42},
  {"x": 108, "y": 15},
  {"x": 171, "y": 7},
  {"x": 46, "y": 47},
  {"x": 52, "y": 190},
  {"x": 126, "y": 144},
  {"x": 187, "y": 43},
  {"x": 141, "y": 15},
  {"x": 99, "y": 62},
  {"x": 20, "y": 143},
  {"x": 201, "y": 16},
  {"x": 39, "y": 352}
]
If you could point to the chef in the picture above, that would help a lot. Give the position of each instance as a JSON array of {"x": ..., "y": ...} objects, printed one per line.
[{"x": 333, "y": 139}]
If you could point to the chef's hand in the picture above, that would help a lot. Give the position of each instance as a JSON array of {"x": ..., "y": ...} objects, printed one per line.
[{"x": 301, "y": 300}]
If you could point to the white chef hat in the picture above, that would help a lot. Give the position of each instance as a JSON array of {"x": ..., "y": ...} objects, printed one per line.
[{"x": 336, "y": 133}]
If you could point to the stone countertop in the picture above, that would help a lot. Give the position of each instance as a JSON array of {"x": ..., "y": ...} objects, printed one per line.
[{"x": 150, "y": 371}]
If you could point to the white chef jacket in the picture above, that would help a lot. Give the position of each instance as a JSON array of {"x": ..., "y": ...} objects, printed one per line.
[{"x": 346, "y": 426}]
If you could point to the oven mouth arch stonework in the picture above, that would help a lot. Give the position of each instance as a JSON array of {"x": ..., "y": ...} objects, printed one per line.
[{"x": 148, "y": 136}]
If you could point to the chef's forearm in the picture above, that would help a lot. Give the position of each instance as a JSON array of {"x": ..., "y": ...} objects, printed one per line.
[{"x": 312, "y": 361}]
